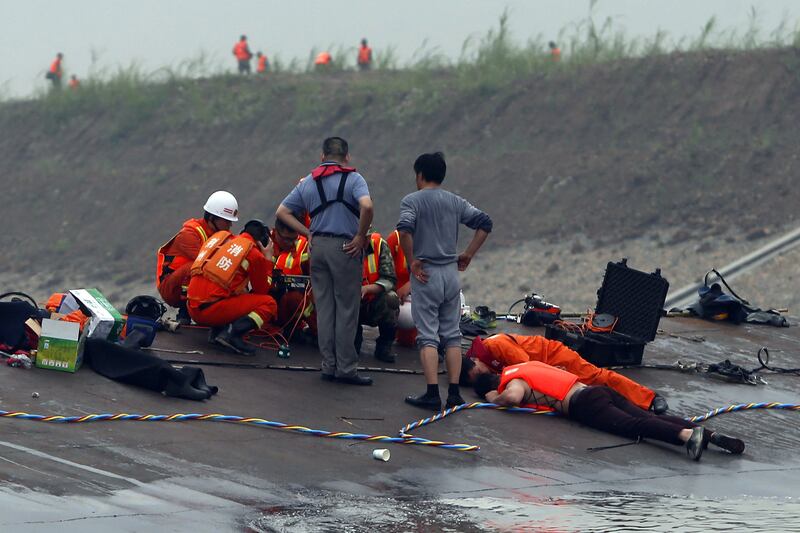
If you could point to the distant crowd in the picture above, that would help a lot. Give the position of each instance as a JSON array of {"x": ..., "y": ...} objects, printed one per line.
[{"x": 244, "y": 56}]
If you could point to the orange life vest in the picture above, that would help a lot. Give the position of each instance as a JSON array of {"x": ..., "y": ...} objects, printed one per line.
[
  {"x": 169, "y": 263},
  {"x": 372, "y": 261},
  {"x": 555, "y": 54},
  {"x": 291, "y": 262},
  {"x": 241, "y": 51},
  {"x": 542, "y": 378},
  {"x": 221, "y": 257},
  {"x": 262, "y": 64},
  {"x": 400, "y": 262},
  {"x": 323, "y": 58},
  {"x": 364, "y": 55}
]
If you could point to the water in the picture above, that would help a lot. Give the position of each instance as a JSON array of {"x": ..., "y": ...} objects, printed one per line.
[{"x": 585, "y": 512}]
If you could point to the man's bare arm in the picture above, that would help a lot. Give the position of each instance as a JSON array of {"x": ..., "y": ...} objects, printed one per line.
[{"x": 286, "y": 216}]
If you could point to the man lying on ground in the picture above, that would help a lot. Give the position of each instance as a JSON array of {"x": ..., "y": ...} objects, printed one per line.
[
  {"x": 540, "y": 385},
  {"x": 493, "y": 354}
]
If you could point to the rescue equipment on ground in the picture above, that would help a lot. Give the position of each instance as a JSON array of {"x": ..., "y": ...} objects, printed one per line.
[
  {"x": 715, "y": 304},
  {"x": 536, "y": 312},
  {"x": 629, "y": 307}
]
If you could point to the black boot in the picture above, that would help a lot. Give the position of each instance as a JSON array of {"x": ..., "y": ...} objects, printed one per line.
[
  {"x": 359, "y": 339},
  {"x": 659, "y": 405},
  {"x": 232, "y": 336},
  {"x": 383, "y": 344},
  {"x": 213, "y": 333},
  {"x": 732, "y": 444},
  {"x": 430, "y": 400},
  {"x": 183, "y": 317}
]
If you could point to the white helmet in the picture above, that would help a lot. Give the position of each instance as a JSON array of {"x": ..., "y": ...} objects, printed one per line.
[{"x": 224, "y": 205}]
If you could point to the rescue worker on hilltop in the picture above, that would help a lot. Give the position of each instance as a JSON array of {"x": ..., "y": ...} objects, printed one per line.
[
  {"x": 364, "y": 56},
  {"x": 323, "y": 61},
  {"x": 406, "y": 332},
  {"x": 243, "y": 55},
  {"x": 218, "y": 296},
  {"x": 290, "y": 256},
  {"x": 379, "y": 301},
  {"x": 555, "y": 52},
  {"x": 493, "y": 354},
  {"x": 74, "y": 83},
  {"x": 262, "y": 63},
  {"x": 56, "y": 72},
  {"x": 175, "y": 258}
]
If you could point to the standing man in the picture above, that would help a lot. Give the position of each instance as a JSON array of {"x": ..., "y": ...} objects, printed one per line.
[
  {"x": 555, "y": 52},
  {"x": 56, "y": 72},
  {"x": 364, "y": 56},
  {"x": 338, "y": 202},
  {"x": 243, "y": 55},
  {"x": 428, "y": 226},
  {"x": 261, "y": 65}
]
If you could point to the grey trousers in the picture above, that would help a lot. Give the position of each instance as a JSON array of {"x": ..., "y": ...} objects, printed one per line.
[
  {"x": 437, "y": 306},
  {"x": 336, "y": 281}
]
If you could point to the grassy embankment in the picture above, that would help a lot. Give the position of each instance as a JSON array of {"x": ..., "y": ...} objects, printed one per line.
[{"x": 202, "y": 94}]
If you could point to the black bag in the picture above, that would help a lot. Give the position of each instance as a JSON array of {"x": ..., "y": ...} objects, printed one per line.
[
  {"x": 13, "y": 315},
  {"x": 715, "y": 304}
]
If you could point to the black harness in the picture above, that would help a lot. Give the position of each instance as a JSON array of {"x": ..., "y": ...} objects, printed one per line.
[{"x": 324, "y": 203}]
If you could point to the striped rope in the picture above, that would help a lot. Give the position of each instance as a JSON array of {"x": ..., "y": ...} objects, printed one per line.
[
  {"x": 744, "y": 407},
  {"x": 404, "y": 436},
  {"x": 475, "y": 405},
  {"x": 180, "y": 417}
]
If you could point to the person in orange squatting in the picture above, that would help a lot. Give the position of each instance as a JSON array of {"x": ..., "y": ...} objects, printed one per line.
[
  {"x": 218, "y": 294},
  {"x": 291, "y": 258},
  {"x": 175, "y": 258},
  {"x": 406, "y": 331},
  {"x": 492, "y": 355}
]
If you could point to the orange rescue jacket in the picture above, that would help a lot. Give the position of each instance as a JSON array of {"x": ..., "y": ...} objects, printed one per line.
[
  {"x": 262, "y": 64},
  {"x": 540, "y": 377},
  {"x": 400, "y": 262},
  {"x": 292, "y": 262},
  {"x": 241, "y": 51},
  {"x": 364, "y": 55},
  {"x": 170, "y": 257},
  {"x": 323, "y": 58}
]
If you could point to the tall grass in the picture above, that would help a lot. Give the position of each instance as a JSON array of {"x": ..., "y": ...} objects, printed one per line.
[{"x": 205, "y": 91}]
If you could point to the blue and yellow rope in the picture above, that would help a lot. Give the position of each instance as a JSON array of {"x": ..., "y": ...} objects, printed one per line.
[{"x": 404, "y": 436}]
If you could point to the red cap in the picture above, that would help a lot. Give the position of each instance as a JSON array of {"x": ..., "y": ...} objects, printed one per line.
[{"x": 479, "y": 351}]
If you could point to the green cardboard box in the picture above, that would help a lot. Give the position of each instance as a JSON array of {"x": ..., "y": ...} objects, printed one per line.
[
  {"x": 60, "y": 346},
  {"x": 105, "y": 321}
]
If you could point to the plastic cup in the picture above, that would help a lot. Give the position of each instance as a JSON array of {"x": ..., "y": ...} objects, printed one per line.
[{"x": 381, "y": 454}]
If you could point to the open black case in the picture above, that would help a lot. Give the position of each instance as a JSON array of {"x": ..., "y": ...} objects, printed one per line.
[{"x": 637, "y": 300}]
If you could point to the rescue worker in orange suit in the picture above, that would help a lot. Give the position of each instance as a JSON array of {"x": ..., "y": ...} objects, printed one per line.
[
  {"x": 364, "y": 56},
  {"x": 492, "y": 355},
  {"x": 175, "y": 258},
  {"x": 56, "y": 72},
  {"x": 243, "y": 55},
  {"x": 600, "y": 407},
  {"x": 406, "y": 331},
  {"x": 555, "y": 52},
  {"x": 262, "y": 63},
  {"x": 323, "y": 61},
  {"x": 379, "y": 301},
  {"x": 74, "y": 83},
  {"x": 218, "y": 295},
  {"x": 291, "y": 258}
]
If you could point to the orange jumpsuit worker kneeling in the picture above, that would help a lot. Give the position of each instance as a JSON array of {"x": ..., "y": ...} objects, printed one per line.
[
  {"x": 491, "y": 355},
  {"x": 175, "y": 258},
  {"x": 291, "y": 258},
  {"x": 218, "y": 294}
]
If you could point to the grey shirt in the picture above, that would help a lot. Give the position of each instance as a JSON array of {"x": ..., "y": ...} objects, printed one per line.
[
  {"x": 337, "y": 218},
  {"x": 432, "y": 216}
]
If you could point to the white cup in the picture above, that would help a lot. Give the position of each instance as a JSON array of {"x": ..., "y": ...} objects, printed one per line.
[{"x": 381, "y": 455}]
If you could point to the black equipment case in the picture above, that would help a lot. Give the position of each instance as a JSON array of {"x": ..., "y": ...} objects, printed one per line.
[{"x": 636, "y": 299}]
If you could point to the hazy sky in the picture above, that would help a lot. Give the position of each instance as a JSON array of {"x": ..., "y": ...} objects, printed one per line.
[{"x": 165, "y": 32}]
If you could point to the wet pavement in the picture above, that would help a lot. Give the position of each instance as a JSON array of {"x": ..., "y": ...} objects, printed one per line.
[{"x": 532, "y": 473}]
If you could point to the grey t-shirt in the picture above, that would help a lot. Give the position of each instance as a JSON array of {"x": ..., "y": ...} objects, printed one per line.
[
  {"x": 337, "y": 218},
  {"x": 432, "y": 216}
]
